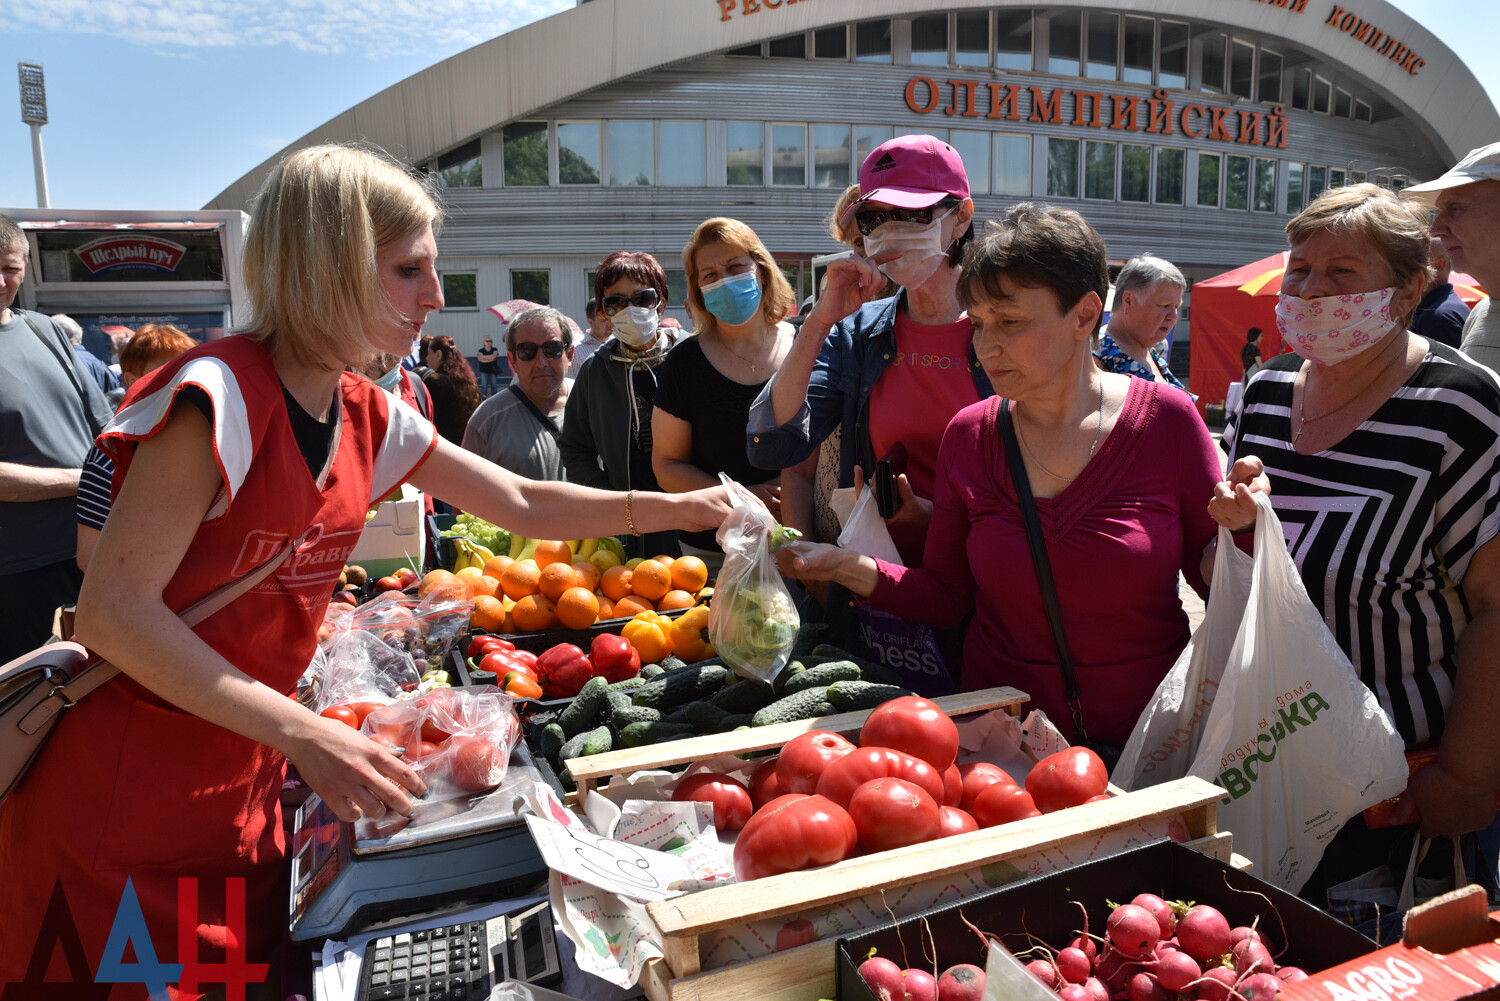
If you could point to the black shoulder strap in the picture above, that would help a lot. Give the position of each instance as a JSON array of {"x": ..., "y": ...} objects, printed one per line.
[
  {"x": 1043, "y": 564},
  {"x": 536, "y": 412},
  {"x": 70, "y": 366}
]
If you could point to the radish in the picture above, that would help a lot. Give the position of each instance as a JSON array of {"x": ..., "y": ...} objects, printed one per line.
[
  {"x": 1144, "y": 987},
  {"x": 964, "y": 982},
  {"x": 1073, "y": 965},
  {"x": 1160, "y": 909},
  {"x": 1259, "y": 987},
  {"x": 920, "y": 985},
  {"x": 1241, "y": 932},
  {"x": 1096, "y": 989},
  {"x": 1075, "y": 992},
  {"x": 1087, "y": 945},
  {"x": 1291, "y": 974},
  {"x": 1133, "y": 930},
  {"x": 1115, "y": 969},
  {"x": 1204, "y": 933},
  {"x": 884, "y": 979},
  {"x": 1045, "y": 972},
  {"x": 1176, "y": 970},
  {"x": 1217, "y": 984},
  {"x": 1251, "y": 957}
]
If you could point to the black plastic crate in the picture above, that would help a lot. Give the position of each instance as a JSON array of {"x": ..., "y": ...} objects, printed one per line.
[{"x": 1043, "y": 907}]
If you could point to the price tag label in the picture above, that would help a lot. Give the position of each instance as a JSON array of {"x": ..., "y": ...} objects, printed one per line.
[{"x": 636, "y": 873}]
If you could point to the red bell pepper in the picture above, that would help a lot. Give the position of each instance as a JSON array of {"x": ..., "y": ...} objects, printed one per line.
[
  {"x": 502, "y": 662},
  {"x": 481, "y": 645},
  {"x": 614, "y": 657},
  {"x": 563, "y": 671}
]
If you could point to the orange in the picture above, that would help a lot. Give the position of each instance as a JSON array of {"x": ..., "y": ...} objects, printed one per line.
[
  {"x": 606, "y": 607},
  {"x": 676, "y": 598},
  {"x": 651, "y": 580},
  {"x": 469, "y": 575},
  {"x": 631, "y": 605},
  {"x": 433, "y": 578},
  {"x": 689, "y": 573},
  {"x": 555, "y": 579},
  {"x": 534, "y": 612},
  {"x": 495, "y": 566},
  {"x": 588, "y": 574},
  {"x": 449, "y": 589},
  {"x": 488, "y": 614},
  {"x": 553, "y": 552},
  {"x": 520, "y": 579},
  {"x": 577, "y": 608},
  {"x": 664, "y": 559},
  {"x": 615, "y": 583},
  {"x": 485, "y": 585}
]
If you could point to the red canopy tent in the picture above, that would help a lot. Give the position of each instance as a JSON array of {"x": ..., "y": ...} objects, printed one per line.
[{"x": 1226, "y": 306}]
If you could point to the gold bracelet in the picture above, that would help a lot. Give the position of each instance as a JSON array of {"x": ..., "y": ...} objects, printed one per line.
[{"x": 630, "y": 512}]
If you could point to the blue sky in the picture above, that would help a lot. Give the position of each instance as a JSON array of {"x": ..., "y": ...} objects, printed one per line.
[{"x": 160, "y": 104}]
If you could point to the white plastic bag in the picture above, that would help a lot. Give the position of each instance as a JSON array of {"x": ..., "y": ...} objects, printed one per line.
[
  {"x": 752, "y": 621},
  {"x": 1165, "y": 739},
  {"x": 1294, "y": 737}
]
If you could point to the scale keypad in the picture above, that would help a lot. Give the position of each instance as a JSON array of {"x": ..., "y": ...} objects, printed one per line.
[{"x": 450, "y": 963}]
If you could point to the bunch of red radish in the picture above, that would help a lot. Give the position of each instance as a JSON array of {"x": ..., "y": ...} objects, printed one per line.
[
  {"x": 889, "y": 982},
  {"x": 1153, "y": 950}
]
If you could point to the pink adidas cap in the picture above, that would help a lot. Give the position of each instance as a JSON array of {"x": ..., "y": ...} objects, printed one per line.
[{"x": 910, "y": 172}]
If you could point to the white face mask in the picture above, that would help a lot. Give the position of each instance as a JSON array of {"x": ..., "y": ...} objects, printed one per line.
[
  {"x": 919, "y": 244},
  {"x": 634, "y": 326},
  {"x": 1335, "y": 328}
]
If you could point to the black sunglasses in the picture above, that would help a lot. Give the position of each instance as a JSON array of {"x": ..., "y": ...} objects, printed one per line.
[
  {"x": 527, "y": 351},
  {"x": 870, "y": 220},
  {"x": 644, "y": 299}
]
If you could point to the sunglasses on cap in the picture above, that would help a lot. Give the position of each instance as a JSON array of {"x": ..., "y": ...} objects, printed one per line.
[
  {"x": 870, "y": 219},
  {"x": 644, "y": 299},
  {"x": 527, "y": 351}
]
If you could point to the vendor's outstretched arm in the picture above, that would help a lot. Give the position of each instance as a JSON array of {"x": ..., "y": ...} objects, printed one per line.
[{"x": 21, "y": 484}]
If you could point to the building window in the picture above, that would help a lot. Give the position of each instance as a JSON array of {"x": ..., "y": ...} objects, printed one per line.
[
  {"x": 789, "y": 155},
  {"x": 1343, "y": 103},
  {"x": 1265, "y": 185},
  {"x": 1362, "y": 112},
  {"x": 1012, "y": 165},
  {"x": 1356, "y": 177},
  {"x": 1335, "y": 177},
  {"x": 1241, "y": 69},
  {"x": 831, "y": 43},
  {"x": 525, "y": 146},
  {"x": 631, "y": 157},
  {"x": 578, "y": 152},
  {"x": 1302, "y": 89},
  {"x": 788, "y": 47},
  {"x": 1135, "y": 173},
  {"x": 1065, "y": 43},
  {"x": 1140, "y": 49},
  {"x": 971, "y": 38},
  {"x": 1169, "y": 176},
  {"x": 1099, "y": 170},
  {"x": 1213, "y": 64},
  {"x": 534, "y": 286},
  {"x": 867, "y": 137},
  {"x": 461, "y": 168},
  {"x": 460, "y": 290},
  {"x": 744, "y": 144},
  {"x": 1322, "y": 96},
  {"x": 929, "y": 40},
  {"x": 676, "y": 287},
  {"x": 974, "y": 150},
  {"x": 1317, "y": 180},
  {"x": 1104, "y": 46},
  {"x": 1013, "y": 40},
  {"x": 1172, "y": 71},
  {"x": 1293, "y": 188},
  {"x": 830, "y": 156},
  {"x": 745, "y": 50},
  {"x": 683, "y": 154},
  {"x": 872, "y": 41},
  {"x": 1270, "y": 77},
  {"x": 1237, "y": 182},
  {"x": 1208, "y": 179},
  {"x": 1062, "y": 168}
]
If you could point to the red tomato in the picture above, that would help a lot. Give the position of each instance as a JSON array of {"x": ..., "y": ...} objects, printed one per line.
[
  {"x": 425, "y": 748},
  {"x": 979, "y": 776},
  {"x": 1000, "y": 803},
  {"x": 953, "y": 786},
  {"x": 805, "y": 757},
  {"x": 434, "y": 702},
  {"x": 865, "y": 764},
  {"x": 893, "y": 813},
  {"x": 1067, "y": 778},
  {"x": 388, "y": 742},
  {"x": 914, "y": 725},
  {"x": 764, "y": 785},
  {"x": 363, "y": 709},
  {"x": 793, "y": 832},
  {"x": 956, "y": 821},
  {"x": 474, "y": 763},
  {"x": 795, "y": 933},
  {"x": 341, "y": 713},
  {"x": 728, "y": 796}
]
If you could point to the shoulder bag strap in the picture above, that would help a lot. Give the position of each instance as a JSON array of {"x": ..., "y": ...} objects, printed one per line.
[
  {"x": 536, "y": 412},
  {"x": 1043, "y": 565},
  {"x": 69, "y": 366}
]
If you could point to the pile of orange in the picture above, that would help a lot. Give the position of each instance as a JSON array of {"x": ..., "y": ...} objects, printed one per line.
[{"x": 552, "y": 591}]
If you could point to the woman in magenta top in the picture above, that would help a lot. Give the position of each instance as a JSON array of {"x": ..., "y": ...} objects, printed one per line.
[{"x": 1122, "y": 471}]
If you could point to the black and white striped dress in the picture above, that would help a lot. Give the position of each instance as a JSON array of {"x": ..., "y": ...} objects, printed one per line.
[{"x": 1383, "y": 525}]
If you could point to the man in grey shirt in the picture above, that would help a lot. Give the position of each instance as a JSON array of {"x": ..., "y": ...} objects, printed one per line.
[
  {"x": 518, "y": 427},
  {"x": 50, "y": 412}
]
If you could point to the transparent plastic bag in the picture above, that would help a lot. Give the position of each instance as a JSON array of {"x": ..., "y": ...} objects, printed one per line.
[
  {"x": 752, "y": 620},
  {"x": 357, "y": 665},
  {"x": 424, "y": 628}
]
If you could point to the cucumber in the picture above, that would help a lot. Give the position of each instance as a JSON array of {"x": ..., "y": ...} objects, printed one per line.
[
  {"x": 641, "y": 734},
  {"x": 869, "y": 669},
  {"x": 627, "y": 684},
  {"x": 678, "y": 715},
  {"x": 670, "y": 663},
  {"x": 617, "y": 702},
  {"x": 677, "y": 688},
  {"x": 586, "y": 709},
  {"x": 598, "y": 741},
  {"x": 633, "y": 714},
  {"x": 786, "y": 674},
  {"x": 573, "y": 748},
  {"x": 649, "y": 671},
  {"x": 803, "y": 705},
  {"x": 855, "y": 696},
  {"x": 705, "y": 716},
  {"x": 823, "y": 674},
  {"x": 735, "y": 721},
  {"x": 550, "y": 741},
  {"x": 744, "y": 696}
]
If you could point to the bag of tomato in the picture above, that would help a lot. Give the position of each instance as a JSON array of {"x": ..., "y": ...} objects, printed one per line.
[{"x": 467, "y": 736}]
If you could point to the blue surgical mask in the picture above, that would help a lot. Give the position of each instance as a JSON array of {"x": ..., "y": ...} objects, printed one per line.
[
  {"x": 391, "y": 381},
  {"x": 733, "y": 299}
]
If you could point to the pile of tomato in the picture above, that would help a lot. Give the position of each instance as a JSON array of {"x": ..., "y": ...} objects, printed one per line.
[{"x": 823, "y": 798}]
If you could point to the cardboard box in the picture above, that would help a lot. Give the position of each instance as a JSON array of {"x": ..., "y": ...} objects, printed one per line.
[
  {"x": 394, "y": 538},
  {"x": 1045, "y": 909},
  {"x": 1450, "y": 949}
]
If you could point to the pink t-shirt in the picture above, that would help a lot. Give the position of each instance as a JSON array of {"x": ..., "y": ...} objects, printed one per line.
[
  {"x": 1116, "y": 538},
  {"x": 914, "y": 399}
]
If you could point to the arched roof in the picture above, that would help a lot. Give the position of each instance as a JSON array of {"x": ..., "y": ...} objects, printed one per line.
[{"x": 576, "y": 51}]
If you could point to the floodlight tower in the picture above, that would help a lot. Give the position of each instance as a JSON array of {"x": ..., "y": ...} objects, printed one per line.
[{"x": 34, "y": 113}]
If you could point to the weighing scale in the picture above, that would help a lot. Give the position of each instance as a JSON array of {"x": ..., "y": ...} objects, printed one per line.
[{"x": 346, "y": 877}]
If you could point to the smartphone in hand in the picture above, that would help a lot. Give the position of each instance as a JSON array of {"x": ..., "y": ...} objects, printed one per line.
[{"x": 887, "y": 468}]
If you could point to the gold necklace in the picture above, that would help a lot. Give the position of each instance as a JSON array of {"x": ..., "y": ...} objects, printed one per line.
[{"x": 1098, "y": 431}]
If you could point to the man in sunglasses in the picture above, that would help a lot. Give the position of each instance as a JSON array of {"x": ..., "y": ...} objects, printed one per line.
[{"x": 519, "y": 427}]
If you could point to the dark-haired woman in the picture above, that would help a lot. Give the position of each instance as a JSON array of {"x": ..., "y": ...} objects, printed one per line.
[{"x": 454, "y": 390}]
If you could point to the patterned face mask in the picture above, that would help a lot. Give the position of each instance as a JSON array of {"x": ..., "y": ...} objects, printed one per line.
[{"x": 1335, "y": 328}]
